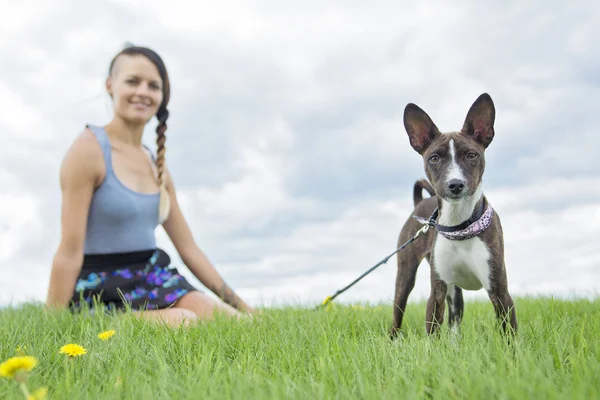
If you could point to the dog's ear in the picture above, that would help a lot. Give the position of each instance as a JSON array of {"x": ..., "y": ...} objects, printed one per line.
[
  {"x": 420, "y": 128},
  {"x": 479, "y": 123}
]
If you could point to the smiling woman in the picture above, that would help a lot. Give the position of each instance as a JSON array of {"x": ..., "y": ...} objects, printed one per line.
[{"x": 115, "y": 193}]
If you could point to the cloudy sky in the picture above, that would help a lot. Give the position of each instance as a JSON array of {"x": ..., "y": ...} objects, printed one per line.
[{"x": 286, "y": 138}]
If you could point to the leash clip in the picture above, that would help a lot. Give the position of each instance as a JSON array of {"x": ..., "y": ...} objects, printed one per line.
[{"x": 424, "y": 229}]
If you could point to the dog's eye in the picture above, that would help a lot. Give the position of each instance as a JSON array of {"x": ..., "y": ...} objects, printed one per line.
[
  {"x": 434, "y": 159},
  {"x": 471, "y": 155}
]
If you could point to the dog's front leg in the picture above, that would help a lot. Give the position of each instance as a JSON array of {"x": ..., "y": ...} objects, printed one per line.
[
  {"x": 435, "y": 304},
  {"x": 505, "y": 310},
  {"x": 405, "y": 282},
  {"x": 503, "y": 302}
]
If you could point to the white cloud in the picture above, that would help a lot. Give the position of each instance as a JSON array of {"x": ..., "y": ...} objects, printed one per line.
[
  {"x": 22, "y": 15},
  {"x": 22, "y": 117},
  {"x": 19, "y": 214}
]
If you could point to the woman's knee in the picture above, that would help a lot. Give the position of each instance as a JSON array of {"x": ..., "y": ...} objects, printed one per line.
[
  {"x": 172, "y": 316},
  {"x": 203, "y": 306},
  {"x": 186, "y": 314}
]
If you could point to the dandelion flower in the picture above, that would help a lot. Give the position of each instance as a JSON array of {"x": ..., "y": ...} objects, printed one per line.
[
  {"x": 17, "y": 365},
  {"x": 106, "y": 335},
  {"x": 72, "y": 350},
  {"x": 39, "y": 394}
]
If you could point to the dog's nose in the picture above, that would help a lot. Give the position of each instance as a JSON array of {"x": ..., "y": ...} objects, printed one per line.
[{"x": 456, "y": 186}]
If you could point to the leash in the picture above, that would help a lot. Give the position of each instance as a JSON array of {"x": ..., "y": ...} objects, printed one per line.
[
  {"x": 466, "y": 230},
  {"x": 424, "y": 229}
]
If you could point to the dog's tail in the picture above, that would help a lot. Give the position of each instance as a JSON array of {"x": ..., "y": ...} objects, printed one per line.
[{"x": 418, "y": 190}]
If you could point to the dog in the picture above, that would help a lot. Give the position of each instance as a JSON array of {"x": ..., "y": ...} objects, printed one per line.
[{"x": 464, "y": 245}]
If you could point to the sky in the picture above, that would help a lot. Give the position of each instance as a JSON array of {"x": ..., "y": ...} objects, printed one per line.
[{"x": 286, "y": 140}]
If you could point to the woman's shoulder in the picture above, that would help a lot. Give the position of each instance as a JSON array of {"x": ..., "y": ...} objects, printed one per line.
[
  {"x": 84, "y": 144},
  {"x": 86, "y": 141},
  {"x": 85, "y": 153}
]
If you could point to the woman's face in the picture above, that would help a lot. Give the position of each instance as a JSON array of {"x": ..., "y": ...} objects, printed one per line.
[{"x": 136, "y": 88}]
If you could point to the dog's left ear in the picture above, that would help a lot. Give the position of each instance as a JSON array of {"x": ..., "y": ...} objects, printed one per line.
[
  {"x": 420, "y": 128},
  {"x": 479, "y": 123}
]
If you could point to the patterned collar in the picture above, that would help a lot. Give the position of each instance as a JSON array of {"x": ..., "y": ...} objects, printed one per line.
[{"x": 472, "y": 227}]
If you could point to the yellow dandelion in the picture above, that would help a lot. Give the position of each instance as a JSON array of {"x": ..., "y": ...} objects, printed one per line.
[
  {"x": 17, "y": 365},
  {"x": 106, "y": 334},
  {"x": 72, "y": 350},
  {"x": 39, "y": 394}
]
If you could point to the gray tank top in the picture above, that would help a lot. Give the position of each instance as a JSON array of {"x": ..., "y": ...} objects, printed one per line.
[{"x": 120, "y": 220}]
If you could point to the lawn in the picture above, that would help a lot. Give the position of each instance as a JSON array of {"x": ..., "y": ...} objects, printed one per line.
[{"x": 300, "y": 353}]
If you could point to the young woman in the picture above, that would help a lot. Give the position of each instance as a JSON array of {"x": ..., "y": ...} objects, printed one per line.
[{"x": 114, "y": 195}]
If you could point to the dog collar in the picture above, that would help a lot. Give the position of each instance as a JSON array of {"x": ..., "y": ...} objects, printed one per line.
[{"x": 472, "y": 227}]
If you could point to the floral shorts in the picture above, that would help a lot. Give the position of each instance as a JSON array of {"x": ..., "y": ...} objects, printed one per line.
[{"x": 139, "y": 280}]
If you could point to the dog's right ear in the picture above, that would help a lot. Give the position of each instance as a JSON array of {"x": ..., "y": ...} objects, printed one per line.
[
  {"x": 479, "y": 123},
  {"x": 420, "y": 128}
]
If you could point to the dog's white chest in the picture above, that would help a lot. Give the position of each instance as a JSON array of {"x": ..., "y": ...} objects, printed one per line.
[{"x": 464, "y": 263}]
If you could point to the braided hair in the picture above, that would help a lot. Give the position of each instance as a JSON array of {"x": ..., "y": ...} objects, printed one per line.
[
  {"x": 162, "y": 115},
  {"x": 164, "y": 203}
]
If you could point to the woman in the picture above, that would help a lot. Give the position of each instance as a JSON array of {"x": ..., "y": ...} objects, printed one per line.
[{"x": 114, "y": 195}]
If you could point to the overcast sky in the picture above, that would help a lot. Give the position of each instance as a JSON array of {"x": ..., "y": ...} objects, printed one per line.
[{"x": 286, "y": 139}]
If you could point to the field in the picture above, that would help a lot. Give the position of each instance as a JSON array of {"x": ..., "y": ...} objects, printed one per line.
[{"x": 300, "y": 353}]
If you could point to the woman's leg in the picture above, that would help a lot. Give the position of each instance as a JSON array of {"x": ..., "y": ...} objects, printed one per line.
[
  {"x": 173, "y": 316},
  {"x": 204, "y": 306},
  {"x": 188, "y": 309}
]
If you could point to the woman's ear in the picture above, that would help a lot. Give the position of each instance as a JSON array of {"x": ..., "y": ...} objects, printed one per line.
[{"x": 108, "y": 86}]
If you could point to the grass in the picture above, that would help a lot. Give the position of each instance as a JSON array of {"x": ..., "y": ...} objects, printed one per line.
[{"x": 298, "y": 353}]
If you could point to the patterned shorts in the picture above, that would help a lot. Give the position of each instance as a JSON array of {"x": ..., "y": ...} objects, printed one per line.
[{"x": 140, "y": 280}]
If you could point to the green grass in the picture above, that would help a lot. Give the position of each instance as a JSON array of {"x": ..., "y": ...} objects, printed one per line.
[{"x": 300, "y": 353}]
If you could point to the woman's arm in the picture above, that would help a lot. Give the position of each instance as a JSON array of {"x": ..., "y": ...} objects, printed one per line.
[
  {"x": 80, "y": 172},
  {"x": 179, "y": 232}
]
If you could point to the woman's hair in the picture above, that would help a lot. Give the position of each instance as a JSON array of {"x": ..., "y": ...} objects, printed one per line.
[{"x": 162, "y": 114}]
